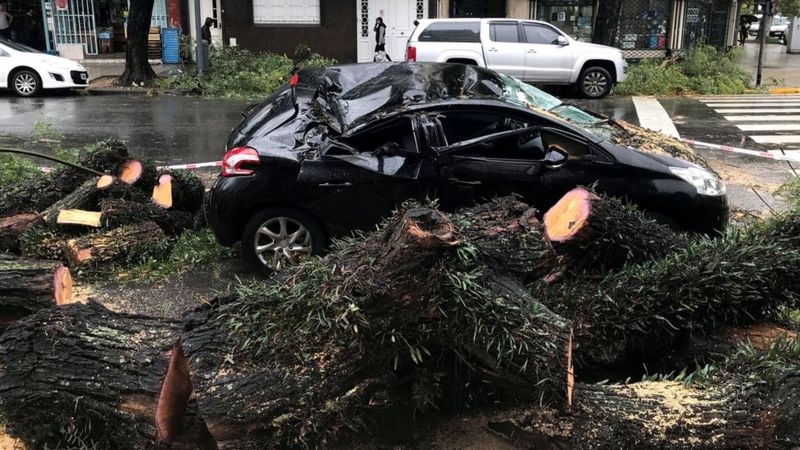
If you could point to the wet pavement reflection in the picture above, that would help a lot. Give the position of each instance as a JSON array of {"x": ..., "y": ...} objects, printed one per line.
[{"x": 168, "y": 129}]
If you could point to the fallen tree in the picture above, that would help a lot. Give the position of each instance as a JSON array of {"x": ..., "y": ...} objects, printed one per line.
[
  {"x": 430, "y": 310},
  {"x": 94, "y": 249},
  {"x": 11, "y": 228}
]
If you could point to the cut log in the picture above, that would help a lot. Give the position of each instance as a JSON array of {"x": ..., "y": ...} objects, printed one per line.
[
  {"x": 130, "y": 172},
  {"x": 84, "y": 197},
  {"x": 11, "y": 228},
  {"x": 105, "y": 181},
  {"x": 173, "y": 400},
  {"x": 117, "y": 212},
  {"x": 27, "y": 286},
  {"x": 45, "y": 243},
  {"x": 110, "y": 187},
  {"x": 176, "y": 190},
  {"x": 79, "y": 217},
  {"x": 41, "y": 193},
  {"x": 598, "y": 234},
  {"x": 124, "y": 242},
  {"x": 162, "y": 191}
]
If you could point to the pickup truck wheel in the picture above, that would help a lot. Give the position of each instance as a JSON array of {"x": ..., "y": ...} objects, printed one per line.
[{"x": 594, "y": 82}]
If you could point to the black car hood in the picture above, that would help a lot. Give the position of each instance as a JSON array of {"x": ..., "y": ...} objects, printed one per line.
[{"x": 349, "y": 95}]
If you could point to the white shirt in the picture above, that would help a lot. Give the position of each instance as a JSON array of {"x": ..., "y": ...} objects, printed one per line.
[{"x": 4, "y": 20}]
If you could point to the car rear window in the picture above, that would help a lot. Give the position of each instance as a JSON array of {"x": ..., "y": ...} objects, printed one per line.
[
  {"x": 452, "y": 32},
  {"x": 504, "y": 32}
]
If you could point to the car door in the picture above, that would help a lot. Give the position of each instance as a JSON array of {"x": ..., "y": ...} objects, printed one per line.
[
  {"x": 503, "y": 48},
  {"x": 5, "y": 67},
  {"x": 546, "y": 59},
  {"x": 362, "y": 178}
]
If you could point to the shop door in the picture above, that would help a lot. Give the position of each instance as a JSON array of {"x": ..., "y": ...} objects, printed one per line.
[
  {"x": 73, "y": 23},
  {"x": 398, "y": 15}
]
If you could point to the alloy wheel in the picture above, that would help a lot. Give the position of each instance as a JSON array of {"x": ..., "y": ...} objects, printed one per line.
[
  {"x": 25, "y": 83},
  {"x": 282, "y": 240},
  {"x": 594, "y": 84}
]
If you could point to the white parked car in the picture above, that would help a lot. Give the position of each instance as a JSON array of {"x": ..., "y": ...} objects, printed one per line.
[
  {"x": 778, "y": 28},
  {"x": 530, "y": 50},
  {"x": 27, "y": 71}
]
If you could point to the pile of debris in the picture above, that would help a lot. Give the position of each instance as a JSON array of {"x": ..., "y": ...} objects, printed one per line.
[
  {"x": 433, "y": 311},
  {"x": 107, "y": 208}
]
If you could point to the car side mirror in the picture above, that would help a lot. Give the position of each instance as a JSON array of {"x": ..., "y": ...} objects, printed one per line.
[{"x": 561, "y": 40}]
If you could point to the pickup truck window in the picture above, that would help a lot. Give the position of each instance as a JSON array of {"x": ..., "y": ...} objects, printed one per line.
[
  {"x": 452, "y": 32},
  {"x": 504, "y": 32},
  {"x": 538, "y": 34}
]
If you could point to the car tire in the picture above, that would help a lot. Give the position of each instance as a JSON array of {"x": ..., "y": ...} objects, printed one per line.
[
  {"x": 26, "y": 83},
  {"x": 594, "y": 82},
  {"x": 279, "y": 227}
]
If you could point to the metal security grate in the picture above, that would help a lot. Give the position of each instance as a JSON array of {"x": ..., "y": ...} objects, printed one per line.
[
  {"x": 643, "y": 26},
  {"x": 74, "y": 24},
  {"x": 706, "y": 22}
]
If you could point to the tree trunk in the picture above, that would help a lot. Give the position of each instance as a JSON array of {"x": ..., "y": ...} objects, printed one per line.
[
  {"x": 11, "y": 228},
  {"x": 84, "y": 197},
  {"x": 179, "y": 191},
  {"x": 667, "y": 415},
  {"x": 100, "y": 248},
  {"x": 27, "y": 286},
  {"x": 606, "y": 23},
  {"x": 407, "y": 317},
  {"x": 118, "y": 212},
  {"x": 137, "y": 69},
  {"x": 41, "y": 193},
  {"x": 597, "y": 234}
]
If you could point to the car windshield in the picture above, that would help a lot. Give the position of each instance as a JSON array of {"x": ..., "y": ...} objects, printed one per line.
[
  {"x": 522, "y": 94},
  {"x": 18, "y": 47}
]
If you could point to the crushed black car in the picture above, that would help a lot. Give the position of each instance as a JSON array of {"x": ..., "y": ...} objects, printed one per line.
[{"x": 340, "y": 147}]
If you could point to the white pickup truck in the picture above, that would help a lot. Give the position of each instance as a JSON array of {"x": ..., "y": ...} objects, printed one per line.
[{"x": 532, "y": 51}]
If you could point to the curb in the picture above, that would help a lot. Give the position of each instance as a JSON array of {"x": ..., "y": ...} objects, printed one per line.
[
  {"x": 786, "y": 90},
  {"x": 111, "y": 91}
]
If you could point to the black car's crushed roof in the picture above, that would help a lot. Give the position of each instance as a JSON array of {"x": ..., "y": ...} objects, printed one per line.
[{"x": 351, "y": 94}]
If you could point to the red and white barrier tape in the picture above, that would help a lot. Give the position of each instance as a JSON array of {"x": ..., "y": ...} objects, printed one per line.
[
  {"x": 744, "y": 151},
  {"x": 192, "y": 166}
]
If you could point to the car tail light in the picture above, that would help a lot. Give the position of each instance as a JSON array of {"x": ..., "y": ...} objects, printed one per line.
[
  {"x": 411, "y": 53},
  {"x": 237, "y": 157}
]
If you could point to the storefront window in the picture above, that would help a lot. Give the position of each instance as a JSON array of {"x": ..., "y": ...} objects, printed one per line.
[
  {"x": 573, "y": 17},
  {"x": 706, "y": 22},
  {"x": 643, "y": 25},
  {"x": 477, "y": 8}
]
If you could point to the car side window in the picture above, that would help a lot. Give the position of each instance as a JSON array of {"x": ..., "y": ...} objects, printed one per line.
[
  {"x": 504, "y": 32},
  {"x": 452, "y": 32},
  {"x": 574, "y": 148},
  {"x": 468, "y": 125},
  {"x": 539, "y": 34}
]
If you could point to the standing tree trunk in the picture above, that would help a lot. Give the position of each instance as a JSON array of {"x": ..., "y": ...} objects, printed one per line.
[
  {"x": 137, "y": 69},
  {"x": 605, "y": 27}
]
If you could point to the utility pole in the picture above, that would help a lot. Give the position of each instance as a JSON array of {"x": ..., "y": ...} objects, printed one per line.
[
  {"x": 763, "y": 28},
  {"x": 200, "y": 50}
]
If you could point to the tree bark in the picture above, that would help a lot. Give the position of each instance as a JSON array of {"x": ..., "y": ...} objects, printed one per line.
[
  {"x": 177, "y": 190},
  {"x": 11, "y": 228},
  {"x": 117, "y": 212},
  {"x": 84, "y": 197},
  {"x": 137, "y": 68},
  {"x": 27, "y": 286},
  {"x": 100, "y": 248}
]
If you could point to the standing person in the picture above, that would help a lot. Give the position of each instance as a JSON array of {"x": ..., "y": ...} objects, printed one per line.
[
  {"x": 5, "y": 22},
  {"x": 380, "y": 41}
]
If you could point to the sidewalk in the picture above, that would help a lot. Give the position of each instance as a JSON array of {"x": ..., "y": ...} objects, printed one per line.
[
  {"x": 105, "y": 68},
  {"x": 779, "y": 68}
]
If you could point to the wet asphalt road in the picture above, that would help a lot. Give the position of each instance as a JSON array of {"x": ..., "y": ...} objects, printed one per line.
[
  {"x": 174, "y": 129},
  {"x": 169, "y": 129}
]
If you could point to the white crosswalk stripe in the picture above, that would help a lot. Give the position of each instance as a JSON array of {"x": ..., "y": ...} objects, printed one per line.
[{"x": 770, "y": 120}]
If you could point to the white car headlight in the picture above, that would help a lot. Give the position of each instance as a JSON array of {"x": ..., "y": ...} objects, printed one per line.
[{"x": 704, "y": 181}]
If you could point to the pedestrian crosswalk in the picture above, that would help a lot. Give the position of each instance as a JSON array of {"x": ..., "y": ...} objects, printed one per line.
[{"x": 771, "y": 120}]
